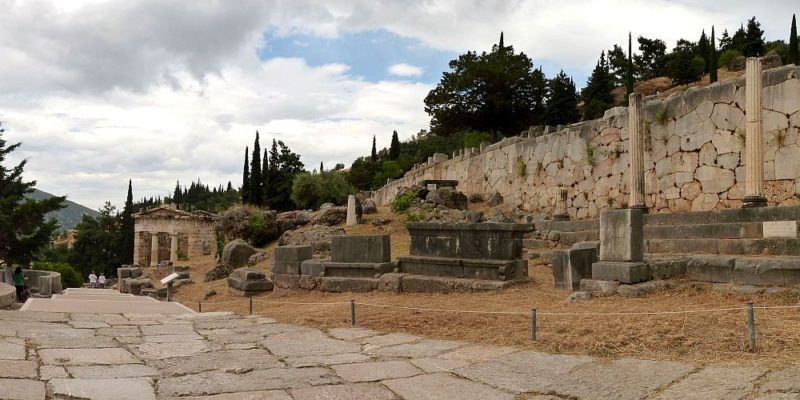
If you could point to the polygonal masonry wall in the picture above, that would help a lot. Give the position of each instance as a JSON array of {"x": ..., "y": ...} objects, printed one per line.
[{"x": 694, "y": 155}]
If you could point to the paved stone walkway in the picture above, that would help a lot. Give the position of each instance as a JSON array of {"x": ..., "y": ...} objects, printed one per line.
[{"x": 220, "y": 356}]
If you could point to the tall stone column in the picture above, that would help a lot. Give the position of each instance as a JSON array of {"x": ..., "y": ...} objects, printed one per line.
[
  {"x": 154, "y": 250},
  {"x": 173, "y": 247},
  {"x": 636, "y": 155},
  {"x": 561, "y": 206},
  {"x": 136, "y": 245},
  {"x": 754, "y": 142}
]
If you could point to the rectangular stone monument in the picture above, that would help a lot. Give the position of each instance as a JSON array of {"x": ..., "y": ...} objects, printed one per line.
[
  {"x": 621, "y": 247},
  {"x": 352, "y": 217},
  {"x": 288, "y": 259},
  {"x": 572, "y": 265}
]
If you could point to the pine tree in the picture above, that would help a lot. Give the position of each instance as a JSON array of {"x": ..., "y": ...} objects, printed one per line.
[
  {"x": 229, "y": 188},
  {"x": 246, "y": 177},
  {"x": 394, "y": 148},
  {"x": 712, "y": 58},
  {"x": 255, "y": 175},
  {"x": 177, "y": 195},
  {"x": 703, "y": 51},
  {"x": 23, "y": 227},
  {"x": 562, "y": 104},
  {"x": 753, "y": 39},
  {"x": 629, "y": 72},
  {"x": 374, "y": 155},
  {"x": 597, "y": 96},
  {"x": 127, "y": 228},
  {"x": 794, "y": 51}
]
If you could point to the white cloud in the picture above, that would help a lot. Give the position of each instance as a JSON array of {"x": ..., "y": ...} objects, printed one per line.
[{"x": 405, "y": 70}]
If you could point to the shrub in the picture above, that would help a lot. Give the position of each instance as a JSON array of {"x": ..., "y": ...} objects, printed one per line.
[
  {"x": 258, "y": 232},
  {"x": 69, "y": 277},
  {"x": 474, "y": 138},
  {"x": 727, "y": 56},
  {"x": 314, "y": 190},
  {"x": 402, "y": 202},
  {"x": 520, "y": 168}
]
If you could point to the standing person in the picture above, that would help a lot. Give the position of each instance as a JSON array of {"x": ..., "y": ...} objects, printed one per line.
[
  {"x": 101, "y": 280},
  {"x": 19, "y": 283},
  {"x": 92, "y": 280}
]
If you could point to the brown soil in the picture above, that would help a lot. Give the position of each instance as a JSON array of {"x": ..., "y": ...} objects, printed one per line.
[
  {"x": 593, "y": 328},
  {"x": 662, "y": 86}
]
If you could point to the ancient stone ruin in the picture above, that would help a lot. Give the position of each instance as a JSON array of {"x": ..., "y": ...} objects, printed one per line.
[
  {"x": 163, "y": 233},
  {"x": 445, "y": 257}
]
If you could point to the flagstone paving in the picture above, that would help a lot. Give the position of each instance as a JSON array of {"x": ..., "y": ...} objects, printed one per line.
[{"x": 220, "y": 356}]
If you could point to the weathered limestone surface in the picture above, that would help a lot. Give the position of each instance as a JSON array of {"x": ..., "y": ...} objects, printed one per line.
[
  {"x": 703, "y": 127},
  {"x": 294, "y": 362}
]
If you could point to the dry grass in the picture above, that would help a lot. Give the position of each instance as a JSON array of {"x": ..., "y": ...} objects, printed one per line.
[{"x": 718, "y": 338}]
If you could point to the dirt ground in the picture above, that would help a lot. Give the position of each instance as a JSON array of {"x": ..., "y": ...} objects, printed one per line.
[{"x": 603, "y": 327}]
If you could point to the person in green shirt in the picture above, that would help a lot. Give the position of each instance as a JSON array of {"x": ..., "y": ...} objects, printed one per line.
[{"x": 19, "y": 282}]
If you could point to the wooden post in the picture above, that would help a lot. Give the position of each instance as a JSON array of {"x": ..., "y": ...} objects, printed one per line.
[
  {"x": 352, "y": 312},
  {"x": 533, "y": 324},
  {"x": 251, "y": 306},
  {"x": 751, "y": 327}
]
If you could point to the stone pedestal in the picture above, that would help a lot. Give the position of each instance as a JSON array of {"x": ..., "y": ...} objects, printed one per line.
[
  {"x": 561, "y": 206},
  {"x": 754, "y": 142},
  {"x": 352, "y": 217},
  {"x": 636, "y": 134},
  {"x": 154, "y": 250},
  {"x": 621, "y": 247},
  {"x": 248, "y": 282}
]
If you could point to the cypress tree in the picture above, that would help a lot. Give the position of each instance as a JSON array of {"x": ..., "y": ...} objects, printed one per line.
[
  {"x": 374, "y": 155},
  {"x": 321, "y": 167},
  {"x": 177, "y": 195},
  {"x": 712, "y": 57},
  {"x": 246, "y": 177},
  {"x": 629, "y": 72},
  {"x": 794, "y": 51},
  {"x": 255, "y": 175},
  {"x": 273, "y": 175},
  {"x": 394, "y": 148},
  {"x": 127, "y": 227},
  {"x": 703, "y": 51},
  {"x": 265, "y": 183}
]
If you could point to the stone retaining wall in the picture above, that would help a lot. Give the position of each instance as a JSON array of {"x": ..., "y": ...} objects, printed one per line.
[
  {"x": 694, "y": 155},
  {"x": 7, "y": 295}
]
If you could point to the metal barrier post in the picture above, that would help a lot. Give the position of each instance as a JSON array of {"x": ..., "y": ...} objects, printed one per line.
[
  {"x": 751, "y": 327},
  {"x": 251, "y": 306},
  {"x": 352, "y": 312},
  {"x": 199, "y": 306},
  {"x": 533, "y": 324}
]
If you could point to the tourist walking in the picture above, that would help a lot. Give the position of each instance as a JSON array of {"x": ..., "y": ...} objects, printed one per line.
[
  {"x": 92, "y": 280},
  {"x": 101, "y": 280},
  {"x": 19, "y": 283}
]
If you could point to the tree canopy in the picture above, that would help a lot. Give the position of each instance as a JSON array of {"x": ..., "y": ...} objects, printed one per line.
[
  {"x": 499, "y": 92},
  {"x": 23, "y": 228}
]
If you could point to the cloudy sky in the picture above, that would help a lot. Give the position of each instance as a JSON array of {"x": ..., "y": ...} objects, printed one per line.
[{"x": 100, "y": 92}]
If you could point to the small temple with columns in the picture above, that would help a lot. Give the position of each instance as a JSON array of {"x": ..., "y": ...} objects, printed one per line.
[{"x": 164, "y": 233}]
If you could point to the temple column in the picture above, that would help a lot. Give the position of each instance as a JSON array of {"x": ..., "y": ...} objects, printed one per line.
[
  {"x": 561, "y": 206},
  {"x": 154, "y": 250},
  {"x": 636, "y": 141},
  {"x": 173, "y": 247},
  {"x": 136, "y": 244},
  {"x": 754, "y": 141}
]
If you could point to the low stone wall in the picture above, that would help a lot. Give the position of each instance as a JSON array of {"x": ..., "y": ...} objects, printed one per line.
[
  {"x": 7, "y": 295},
  {"x": 694, "y": 155}
]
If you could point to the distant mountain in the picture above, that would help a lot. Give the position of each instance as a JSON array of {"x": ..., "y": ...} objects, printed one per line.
[{"x": 69, "y": 216}]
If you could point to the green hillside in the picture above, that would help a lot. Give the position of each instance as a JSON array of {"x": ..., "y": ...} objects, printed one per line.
[{"x": 69, "y": 216}]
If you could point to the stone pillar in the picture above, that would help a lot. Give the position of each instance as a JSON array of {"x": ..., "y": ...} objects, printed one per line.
[
  {"x": 636, "y": 143},
  {"x": 352, "y": 218},
  {"x": 154, "y": 250},
  {"x": 136, "y": 245},
  {"x": 754, "y": 142},
  {"x": 173, "y": 247},
  {"x": 561, "y": 206},
  {"x": 621, "y": 247}
]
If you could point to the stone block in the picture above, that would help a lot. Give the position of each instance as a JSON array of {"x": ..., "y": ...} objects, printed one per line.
[
  {"x": 245, "y": 281},
  {"x": 621, "y": 235},
  {"x": 572, "y": 265},
  {"x": 286, "y": 267},
  {"x": 599, "y": 288},
  {"x": 342, "y": 284},
  {"x": 780, "y": 229},
  {"x": 494, "y": 241},
  {"x": 667, "y": 268},
  {"x": 710, "y": 268},
  {"x": 766, "y": 271},
  {"x": 286, "y": 281},
  {"x": 293, "y": 253},
  {"x": 642, "y": 289},
  {"x": 625, "y": 272},
  {"x": 361, "y": 248},
  {"x": 362, "y": 270},
  {"x": 313, "y": 267},
  {"x": 391, "y": 282}
]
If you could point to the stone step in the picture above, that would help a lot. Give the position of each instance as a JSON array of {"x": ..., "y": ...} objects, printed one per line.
[
  {"x": 731, "y": 230},
  {"x": 758, "y": 246},
  {"x": 570, "y": 238},
  {"x": 785, "y": 213}
]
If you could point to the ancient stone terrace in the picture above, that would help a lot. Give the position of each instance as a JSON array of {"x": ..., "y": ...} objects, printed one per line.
[{"x": 220, "y": 356}]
